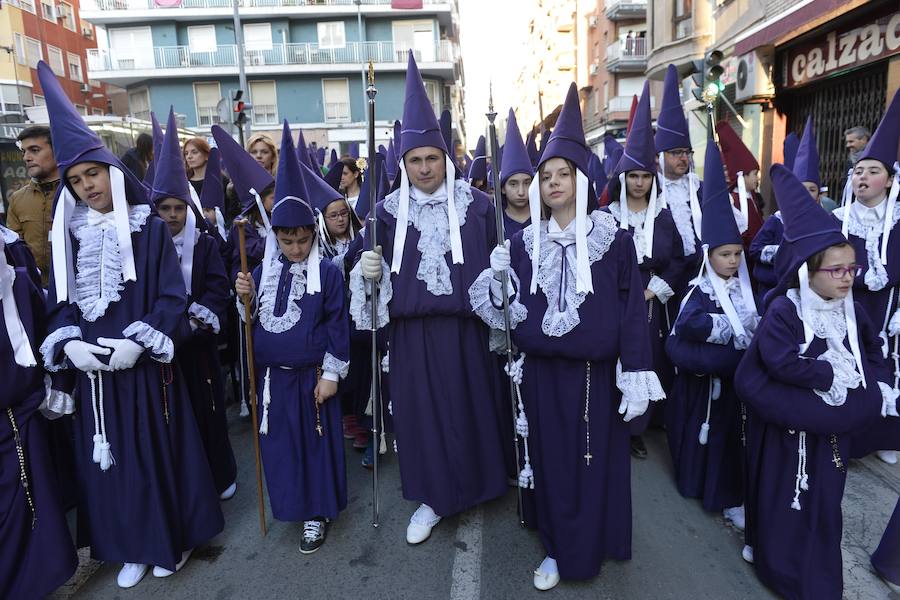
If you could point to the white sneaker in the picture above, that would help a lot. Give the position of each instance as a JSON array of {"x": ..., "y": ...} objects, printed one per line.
[
  {"x": 735, "y": 514},
  {"x": 131, "y": 574},
  {"x": 161, "y": 572},
  {"x": 229, "y": 492},
  {"x": 546, "y": 576},
  {"x": 888, "y": 456},
  {"x": 747, "y": 554},
  {"x": 421, "y": 524}
]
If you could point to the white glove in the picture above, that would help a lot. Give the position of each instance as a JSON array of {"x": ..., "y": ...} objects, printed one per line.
[
  {"x": 888, "y": 400},
  {"x": 83, "y": 356},
  {"x": 386, "y": 363},
  {"x": 741, "y": 342},
  {"x": 500, "y": 259},
  {"x": 516, "y": 369},
  {"x": 893, "y": 327},
  {"x": 125, "y": 352},
  {"x": 716, "y": 388},
  {"x": 371, "y": 264},
  {"x": 632, "y": 409}
]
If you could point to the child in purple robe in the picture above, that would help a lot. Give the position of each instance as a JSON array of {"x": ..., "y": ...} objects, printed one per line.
[
  {"x": 516, "y": 174},
  {"x": 715, "y": 325},
  {"x": 585, "y": 360},
  {"x": 812, "y": 376},
  {"x": 301, "y": 350}
]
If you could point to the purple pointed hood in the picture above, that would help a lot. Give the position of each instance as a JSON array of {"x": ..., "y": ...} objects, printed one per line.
[
  {"x": 612, "y": 150},
  {"x": 332, "y": 159},
  {"x": 567, "y": 139},
  {"x": 246, "y": 174},
  {"x": 806, "y": 165},
  {"x": 354, "y": 150},
  {"x": 171, "y": 180},
  {"x": 321, "y": 194},
  {"x": 391, "y": 162},
  {"x": 420, "y": 126},
  {"x": 446, "y": 124},
  {"x": 157, "y": 144},
  {"x": 478, "y": 166},
  {"x": 320, "y": 156},
  {"x": 884, "y": 142},
  {"x": 333, "y": 176},
  {"x": 213, "y": 194},
  {"x": 790, "y": 147},
  {"x": 718, "y": 226},
  {"x": 514, "y": 159},
  {"x": 596, "y": 174},
  {"x": 531, "y": 147},
  {"x": 302, "y": 150},
  {"x": 290, "y": 182},
  {"x": 671, "y": 124},
  {"x": 639, "y": 154}
]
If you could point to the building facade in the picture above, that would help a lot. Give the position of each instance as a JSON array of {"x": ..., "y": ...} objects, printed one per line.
[{"x": 303, "y": 60}]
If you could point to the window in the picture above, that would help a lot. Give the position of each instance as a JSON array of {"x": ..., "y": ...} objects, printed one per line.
[
  {"x": 13, "y": 98},
  {"x": 258, "y": 36},
  {"x": 131, "y": 48},
  {"x": 48, "y": 11},
  {"x": 97, "y": 112},
  {"x": 681, "y": 20},
  {"x": 418, "y": 35},
  {"x": 39, "y": 101},
  {"x": 68, "y": 16},
  {"x": 55, "y": 58},
  {"x": 207, "y": 96},
  {"x": 265, "y": 104},
  {"x": 605, "y": 92},
  {"x": 336, "y": 93},
  {"x": 332, "y": 35},
  {"x": 202, "y": 38},
  {"x": 24, "y": 5},
  {"x": 75, "y": 67},
  {"x": 82, "y": 109},
  {"x": 139, "y": 104},
  {"x": 33, "y": 52},
  {"x": 433, "y": 90},
  {"x": 21, "y": 56}
]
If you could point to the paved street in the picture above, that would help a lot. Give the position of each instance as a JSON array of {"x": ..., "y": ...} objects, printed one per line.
[{"x": 680, "y": 552}]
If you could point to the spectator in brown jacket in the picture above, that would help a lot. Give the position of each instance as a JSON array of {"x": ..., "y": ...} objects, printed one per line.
[{"x": 30, "y": 208}]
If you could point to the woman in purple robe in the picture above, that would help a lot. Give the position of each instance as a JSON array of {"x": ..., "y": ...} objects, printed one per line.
[
  {"x": 812, "y": 376},
  {"x": 585, "y": 360}
]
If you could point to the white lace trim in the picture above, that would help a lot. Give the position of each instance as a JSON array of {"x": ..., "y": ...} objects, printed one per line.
[
  {"x": 359, "y": 300},
  {"x": 767, "y": 255},
  {"x": 268, "y": 297},
  {"x": 721, "y": 331},
  {"x": 636, "y": 223},
  {"x": 204, "y": 315},
  {"x": 747, "y": 315},
  {"x": 56, "y": 403},
  {"x": 9, "y": 236},
  {"x": 482, "y": 301},
  {"x": 846, "y": 377},
  {"x": 662, "y": 290},
  {"x": 335, "y": 365},
  {"x": 98, "y": 264},
  {"x": 679, "y": 191},
  {"x": 557, "y": 323},
  {"x": 432, "y": 223},
  {"x": 340, "y": 248},
  {"x": 47, "y": 348},
  {"x": 159, "y": 344},
  {"x": 826, "y": 324},
  {"x": 639, "y": 387}
]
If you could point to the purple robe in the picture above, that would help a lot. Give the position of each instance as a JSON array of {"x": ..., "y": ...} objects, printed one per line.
[
  {"x": 296, "y": 333},
  {"x": 158, "y": 499},
  {"x": 797, "y": 553},
  {"x": 198, "y": 359},
  {"x": 511, "y": 227},
  {"x": 36, "y": 554},
  {"x": 255, "y": 246},
  {"x": 763, "y": 255},
  {"x": 443, "y": 385},
  {"x": 886, "y": 558}
]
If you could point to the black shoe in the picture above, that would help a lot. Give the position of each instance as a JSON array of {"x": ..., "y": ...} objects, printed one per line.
[
  {"x": 638, "y": 449},
  {"x": 313, "y": 536}
]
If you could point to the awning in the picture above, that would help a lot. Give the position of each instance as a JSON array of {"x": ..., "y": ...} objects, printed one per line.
[{"x": 808, "y": 16}]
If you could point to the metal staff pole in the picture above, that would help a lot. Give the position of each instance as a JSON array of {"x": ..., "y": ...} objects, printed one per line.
[
  {"x": 372, "y": 230},
  {"x": 504, "y": 282}
]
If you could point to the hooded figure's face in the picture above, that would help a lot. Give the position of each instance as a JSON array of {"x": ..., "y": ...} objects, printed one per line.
[
  {"x": 870, "y": 181},
  {"x": 90, "y": 182},
  {"x": 677, "y": 160},
  {"x": 725, "y": 259},
  {"x": 174, "y": 212},
  {"x": 558, "y": 185},
  {"x": 426, "y": 168},
  {"x": 296, "y": 243},
  {"x": 516, "y": 190},
  {"x": 834, "y": 277}
]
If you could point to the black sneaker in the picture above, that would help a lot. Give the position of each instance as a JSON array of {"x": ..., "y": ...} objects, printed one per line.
[
  {"x": 638, "y": 449},
  {"x": 313, "y": 536}
]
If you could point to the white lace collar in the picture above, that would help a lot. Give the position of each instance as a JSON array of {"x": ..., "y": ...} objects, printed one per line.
[
  {"x": 432, "y": 222},
  {"x": 562, "y": 315},
  {"x": 98, "y": 264},
  {"x": 178, "y": 240},
  {"x": 678, "y": 200},
  {"x": 636, "y": 222},
  {"x": 866, "y": 222},
  {"x": 268, "y": 296},
  {"x": 747, "y": 314},
  {"x": 825, "y": 317},
  {"x": 9, "y": 236}
]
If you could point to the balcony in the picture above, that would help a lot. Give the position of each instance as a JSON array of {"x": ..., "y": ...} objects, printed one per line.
[
  {"x": 104, "y": 12},
  {"x": 627, "y": 56},
  {"x": 620, "y": 10},
  {"x": 622, "y": 104},
  {"x": 125, "y": 66}
]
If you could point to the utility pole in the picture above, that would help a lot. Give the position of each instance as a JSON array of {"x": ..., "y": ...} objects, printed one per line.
[{"x": 242, "y": 75}]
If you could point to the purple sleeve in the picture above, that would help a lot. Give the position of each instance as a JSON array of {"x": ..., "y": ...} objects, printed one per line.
[
  {"x": 778, "y": 348},
  {"x": 634, "y": 336}
]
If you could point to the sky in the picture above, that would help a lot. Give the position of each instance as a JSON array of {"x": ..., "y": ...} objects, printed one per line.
[{"x": 492, "y": 40}]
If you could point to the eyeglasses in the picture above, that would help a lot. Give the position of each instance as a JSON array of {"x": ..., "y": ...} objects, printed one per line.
[
  {"x": 338, "y": 215},
  {"x": 680, "y": 153},
  {"x": 839, "y": 272}
]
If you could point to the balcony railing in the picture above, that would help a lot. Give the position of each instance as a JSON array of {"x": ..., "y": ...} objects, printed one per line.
[
  {"x": 627, "y": 55},
  {"x": 623, "y": 104},
  {"x": 625, "y": 9},
  {"x": 178, "y": 57},
  {"x": 337, "y": 112},
  {"x": 92, "y": 5}
]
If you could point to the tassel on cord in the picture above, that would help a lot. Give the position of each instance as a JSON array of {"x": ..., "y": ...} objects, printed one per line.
[
  {"x": 92, "y": 376},
  {"x": 102, "y": 454},
  {"x": 267, "y": 399},
  {"x": 382, "y": 442},
  {"x": 802, "y": 479},
  {"x": 712, "y": 394},
  {"x": 526, "y": 475}
]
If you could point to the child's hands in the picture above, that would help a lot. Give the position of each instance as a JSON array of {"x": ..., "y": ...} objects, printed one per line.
[
  {"x": 325, "y": 389},
  {"x": 243, "y": 285}
]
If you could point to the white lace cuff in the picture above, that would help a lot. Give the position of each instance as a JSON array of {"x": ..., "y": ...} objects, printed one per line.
[
  {"x": 204, "y": 315},
  {"x": 56, "y": 403},
  {"x": 845, "y": 377},
  {"x": 254, "y": 307},
  {"x": 484, "y": 303},
  {"x": 767, "y": 255},
  {"x": 638, "y": 388},
  {"x": 661, "y": 289},
  {"x": 48, "y": 348},
  {"x": 721, "y": 331},
  {"x": 335, "y": 365},
  {"x": 156, "y": 342},
  {"x": 876, "y": 277},
  {"x": 360, "y": 309}
]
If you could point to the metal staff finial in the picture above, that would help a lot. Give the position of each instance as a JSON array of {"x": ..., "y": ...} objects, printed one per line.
[{"x": 491, "y": 113}]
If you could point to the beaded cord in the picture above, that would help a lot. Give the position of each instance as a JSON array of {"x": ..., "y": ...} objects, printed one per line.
[{"x": 23, "y": 473}]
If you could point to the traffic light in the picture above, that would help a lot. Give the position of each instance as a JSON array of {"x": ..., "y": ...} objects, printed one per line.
[
  {"x": 707, "y": 77},
  {"x": 240, "y": 108}
]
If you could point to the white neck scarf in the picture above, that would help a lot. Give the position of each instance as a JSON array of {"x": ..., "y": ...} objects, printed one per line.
[
  {"x": 888, "y": 215},
  {"x": 15, "y": 330}
]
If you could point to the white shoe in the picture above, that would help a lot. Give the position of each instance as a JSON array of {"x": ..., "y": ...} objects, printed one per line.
[
  {"x": 747, "y": 554},
  {"x": 229, "y": 492},
  {"x": 735, "y": 514},
  {"x": 161, "y": 572},
  {"x": 131, "y": 574},
  {"x": 546, "y": 576},
  {"x": 888, "y": 456},
  {"x": 421, "y": 524}
]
